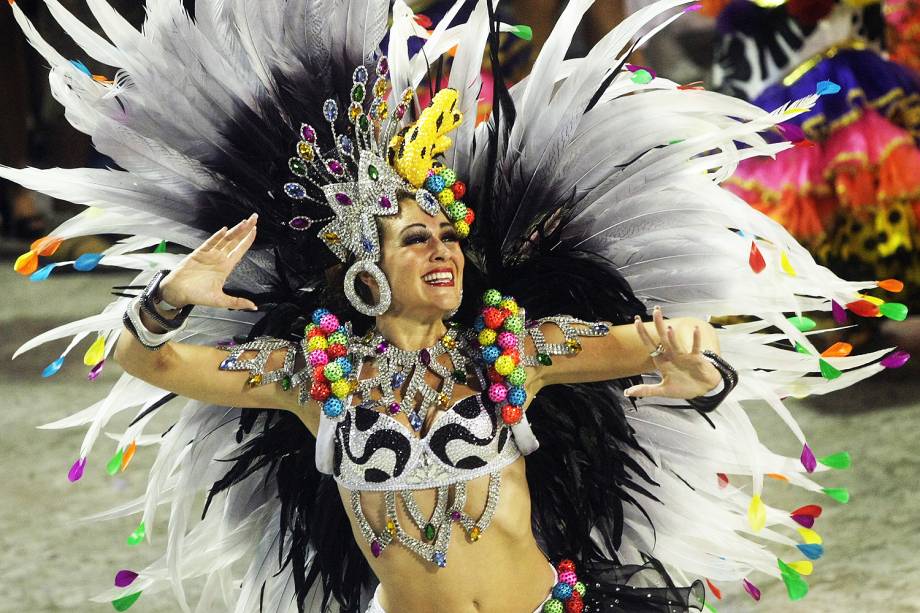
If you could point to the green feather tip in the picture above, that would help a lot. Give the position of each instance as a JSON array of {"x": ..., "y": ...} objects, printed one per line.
[
  {"x": 838, "y": 460},
  {"x": 124, "y": 603},
  {"x": 804, "y": 324},
  {"x": 710, "y": 607},
  {"x": 802, "y": 349},
  {"x": 840, "y": 494},
  {"x": 523, "y": 32},
  {"x": 161, "y": 248},
  {"x": 114, "y": 463},
  {"x": 827, "y": 371},
  {"x": 795, "y": 585}
]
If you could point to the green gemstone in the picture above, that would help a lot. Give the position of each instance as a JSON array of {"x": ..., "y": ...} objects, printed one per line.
[
  {"x": 286, "y": 383},
  {"x": 544, "y": 359},
  {"x": 373, "y": 173},
  {"x": 429, "y": 532},
  {"x": 459, "y": 376},
  {"x": 298, "y": 167},
  {"x": 357, "y": 92},
  {"x": 364, "y": 124}
]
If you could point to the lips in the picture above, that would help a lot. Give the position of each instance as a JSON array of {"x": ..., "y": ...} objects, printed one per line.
[{"x": 442, "y": 277}]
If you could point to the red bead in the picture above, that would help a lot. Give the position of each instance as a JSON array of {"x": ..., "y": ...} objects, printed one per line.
[
  {"x": 566, "y": 565},
  {"x": 318, "y": 374},
  {"x": 319, "y": 391},
  {"x": 515, "y": 355},
  {"x": 459, "y": 189},
  {"x": 574, "y": 604},
  {"x": 336, "y": 350},
  {"x": 317, "y": 331},
  {"x": 511, "y": 414},
  {"x": 494, "y": 318},
  {"x": 494, "y": 377},
  {"x": 470, "y": 217}
]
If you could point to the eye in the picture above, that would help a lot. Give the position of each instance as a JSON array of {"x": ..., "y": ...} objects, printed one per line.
[
  {"x": 416, "y": 238},
  {"x": 450, "y": 237}
]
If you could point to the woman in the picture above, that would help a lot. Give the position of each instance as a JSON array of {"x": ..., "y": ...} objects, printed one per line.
[{"x": 595, "y": 192}]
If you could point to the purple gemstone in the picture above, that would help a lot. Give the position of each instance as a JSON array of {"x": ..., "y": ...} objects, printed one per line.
[
  {"x": 308, "y": 133},
  {"x": 400, "y": 111},
  {"x": 334, "y": 167},
  {"x": 455, "y": 515},
  {"x": 382, "y": 346},
  {"x": 343, "y": 199},
  {"x": 375, "y": 548},
  {"x": 394, "y": 408},
  {"x": 424, "y": 357},
  {"x": 301, "y": 223},
  {"x": 384, "y": 202},
  {"x": 383, "y": 66}
]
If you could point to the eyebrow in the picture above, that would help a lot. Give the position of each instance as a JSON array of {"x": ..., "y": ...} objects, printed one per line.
[{"x": 421, "y": 225}]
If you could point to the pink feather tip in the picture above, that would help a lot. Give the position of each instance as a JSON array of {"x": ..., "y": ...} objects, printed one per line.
[
  {"x": 693, "y": 7},
  {"x": 806, "y": 521}
]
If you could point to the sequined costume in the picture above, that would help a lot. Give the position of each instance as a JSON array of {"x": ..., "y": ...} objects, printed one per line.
[
  {"x": 849, "y": 190},
  {"x": 596, "y": 195}
]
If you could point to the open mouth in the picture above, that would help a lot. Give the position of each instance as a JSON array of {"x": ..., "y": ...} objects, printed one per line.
[{"x": 439, "y": 278}]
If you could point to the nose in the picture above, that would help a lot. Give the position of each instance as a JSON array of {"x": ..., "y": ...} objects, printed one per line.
[{"x": 439, "y": 250}]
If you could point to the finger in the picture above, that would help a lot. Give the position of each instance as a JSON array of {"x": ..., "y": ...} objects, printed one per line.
[
  {"x": 644, "y": 336},
  {"x": 230, "y": 238},
  {"x": 240, "y": 304},
  {"x": 672, "y": 340},
  {"x": 643, "y": 391},
  {"x": 660, "y": 328},
  {"x": 243, "y": 246},
  {"x": 213, "y": 240},
  {"x": 697, "y": 340}
]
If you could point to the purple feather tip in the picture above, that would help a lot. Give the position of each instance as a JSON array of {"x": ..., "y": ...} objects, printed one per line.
[
  {"x": 808, "y": 459},
  {"x": 693, "y": 7},
  {"x": 95, "y": 371},
  {"x": 124, "y": 578},
  {"x": 839, "y": 313},
  {"x": 751, "y": 589},
  {"x": 896, "y": 360},
  {"x": 804, "y": 520},
  {"x": 76, "y": 471}
]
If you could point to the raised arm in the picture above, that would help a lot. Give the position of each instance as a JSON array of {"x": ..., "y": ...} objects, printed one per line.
[
  {"x": 193, "y": 370},
  {"x": 627, "y": 350}
]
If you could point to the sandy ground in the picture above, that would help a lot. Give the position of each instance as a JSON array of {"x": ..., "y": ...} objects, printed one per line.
[{"x": 51, "y": 561}]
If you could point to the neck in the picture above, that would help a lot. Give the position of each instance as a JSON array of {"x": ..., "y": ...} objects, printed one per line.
[{"x": 409, "y": 333}]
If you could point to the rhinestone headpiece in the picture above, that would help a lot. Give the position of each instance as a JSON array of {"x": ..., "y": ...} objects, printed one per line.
[{"x": 364, "y": 177}]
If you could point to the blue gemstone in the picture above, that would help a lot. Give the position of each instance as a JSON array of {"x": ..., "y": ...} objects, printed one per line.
[
  {"x": 295, "y": 191},
  {"x": 439, "y": 558},
  {"x": 601, "y": 329},
  {"x": 330, "y": 110},
  {"x": 415, "y": 421},
  {"x": 360, "y": 74},
  {"x": 227, "y": 363},
  {"x": 397, "y": 380},
  {"x": 367, "y": 244},
  {"x": 345, "y": 144}
]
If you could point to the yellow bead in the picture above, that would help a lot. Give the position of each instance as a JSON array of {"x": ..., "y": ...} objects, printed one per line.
[
  {"x": 504, "y": 365},
  {"x": 573, "y": 345},
  {"x": 443, "y": 400},
  {"x": 391, "y": 527},
  {"x": 305, "y": 150},
  {"x": 331, "y": 237},
  {"x": 446, "y": 197},
  {"x": 254, "y": 380},
  {"x": 317, "y": 342},
  {"x": 487, "y": 337},
  {"x": 474, "y": 533},
  {"x": 462, "y": 228},
  {"x": 341, "y": 388},
  {"x": 509, "y": 304},
  {"x": 449, "y": 342}
]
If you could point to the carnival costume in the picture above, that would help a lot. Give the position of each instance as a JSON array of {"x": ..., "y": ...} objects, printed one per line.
[
  {"x": 850, "y": 190},
  {"x": 596, "y": 196}
]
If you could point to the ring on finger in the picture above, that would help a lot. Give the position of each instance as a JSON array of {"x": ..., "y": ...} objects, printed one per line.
[{"x": 659, "y": 350}]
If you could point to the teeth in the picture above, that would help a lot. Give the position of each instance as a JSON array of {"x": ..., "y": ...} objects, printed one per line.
[{"x": 438, "y": 276}]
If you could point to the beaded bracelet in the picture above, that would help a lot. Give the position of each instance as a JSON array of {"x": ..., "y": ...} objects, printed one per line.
[
  {"x": 568, "y": 593},
  {"x": 135, "y": 325},
  {"x": 729, "y": 375},
  {"x": 150, "y": 298}
]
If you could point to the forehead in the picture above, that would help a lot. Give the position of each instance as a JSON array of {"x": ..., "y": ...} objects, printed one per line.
[{"x": 411, "y": 213}]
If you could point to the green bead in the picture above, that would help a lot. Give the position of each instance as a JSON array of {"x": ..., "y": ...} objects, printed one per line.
[
  {"x": 337, "y": 338},
  {"x": 286, "y": 383},
  {"x": 553, "y": 606},
  {"x": 449, "y": 176},
  {"x": 114, "y": 463},
  {"x": 357, "y": 92},
  {"x": 579, "y": 588},
  {"x": 544, "y": 359},
  {"x": 642, "y": 77},
  {"x": 373, "y": 173},
  {"x": 429, "y": 532},
  {"x": 514, "y": 324},
  {"x": 518, "y": 376},
  {"x": 492, "y": 297},
  {"x": 124, "y": 603},
  {"x": 457, "y": 210},
  {"x": 459, "y": 376},
  {"x": 137, "y": 537}
]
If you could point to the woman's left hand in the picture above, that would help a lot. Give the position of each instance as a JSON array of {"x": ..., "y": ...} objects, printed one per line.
[{"x": 684, "y": 374}]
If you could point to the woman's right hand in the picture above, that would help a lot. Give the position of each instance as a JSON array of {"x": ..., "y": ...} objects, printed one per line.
[{"x": 199, "y": 278}]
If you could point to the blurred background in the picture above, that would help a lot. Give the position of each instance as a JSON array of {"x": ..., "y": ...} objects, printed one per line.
[{"x": 849, "y": 190}]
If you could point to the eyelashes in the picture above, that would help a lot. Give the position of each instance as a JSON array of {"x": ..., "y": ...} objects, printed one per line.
[{"x": 422, "y": 237}]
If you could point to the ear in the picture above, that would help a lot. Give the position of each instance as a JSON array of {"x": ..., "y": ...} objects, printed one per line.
[{"x": 368, "y": 280}]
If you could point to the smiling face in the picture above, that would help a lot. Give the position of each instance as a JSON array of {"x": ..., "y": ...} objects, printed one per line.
[{"x": 422, "y": 260}]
